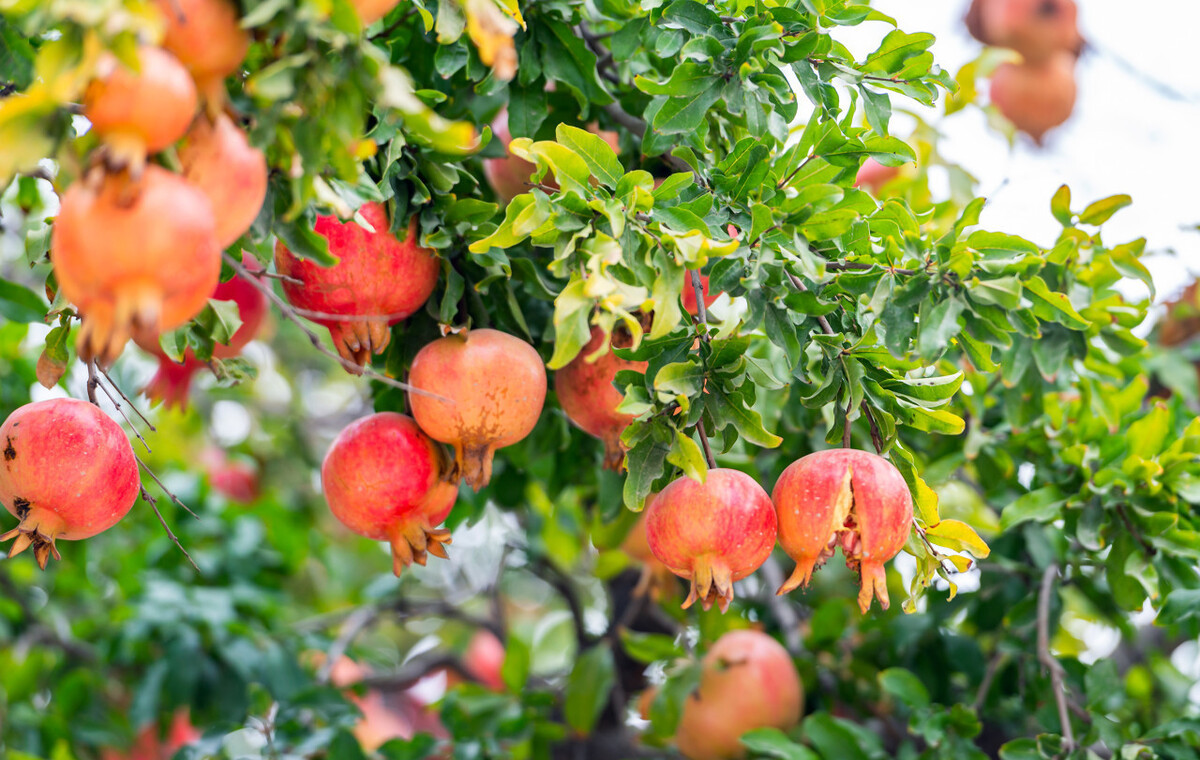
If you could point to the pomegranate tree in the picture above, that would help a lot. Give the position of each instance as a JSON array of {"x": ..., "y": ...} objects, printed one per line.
[
  {"x": 69, "y": 473},
  {"x": 136, "y": 258},
  {"x": 384, "y": 479},
  {"x": 748, "y": 681},
  {"x": 143, "y": 111},
  {"x": 848, "y": 498},
  {"x": 587, "y": 395},
  {"x": 172, "y": 382},
  {"x": 377, "y": 281},
  {"x": 206, "y": 38},
  {"x": 712, "y": 533},
  {"x": 218, "y": 160},
  {"x": 491, "y": 386},
  {"x": 1035, "y": 97}
]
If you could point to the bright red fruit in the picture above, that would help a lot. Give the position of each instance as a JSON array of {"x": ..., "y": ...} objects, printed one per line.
[
  {"x": 68, "y": 473},
  {"x": 749, "y": 681},
  {"x": 384, "y": 479},
  {"x": 172, "y": 383},
  {"x": 1037, "y": 29},
  {"x": 218, "y": 160},
  {"x": 712, "y": 533},
  {"x": 206, "y": 38},
  {"x": 135, "y": 258},
  {"x": 848, "y": 498},
  {"x": 484, "y": 658},
  {"x": 377, "y": 281},
  {"x": 1036, "y": 97},
  {"x": 495, "y": 386},
  {"x": 587, "y": 395},
  {"x": 235, "y": 480}
]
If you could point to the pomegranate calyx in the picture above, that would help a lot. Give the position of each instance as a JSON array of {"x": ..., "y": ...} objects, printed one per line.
[
  {"x": 475, "y": 464},
  {"x": 414, "y": 542},
  {"x": 712, "y": 582},
  {"x": 37, "y": 529}
]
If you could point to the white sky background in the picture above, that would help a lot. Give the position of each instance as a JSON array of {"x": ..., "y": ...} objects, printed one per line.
[{"x": 1125, "y": 136}]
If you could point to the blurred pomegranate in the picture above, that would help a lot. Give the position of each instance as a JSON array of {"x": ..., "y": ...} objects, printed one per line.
[
  {"x": 1037, "y": 29},
  {"x": 1036, "y": 97}
]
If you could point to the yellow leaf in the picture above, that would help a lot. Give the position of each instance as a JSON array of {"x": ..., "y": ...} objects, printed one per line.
[
  {"x": 926, "y": 503},
  {"x": 958, "y": 536},
  {"x": 492, "y": 30}
]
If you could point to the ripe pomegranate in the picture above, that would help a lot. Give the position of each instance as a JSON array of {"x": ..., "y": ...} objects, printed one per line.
[
  {"x": 1036, "y": 97},
  {"x": 384, "y": 479},
  {"x": 509, "y": 175},
  {"x": 171, "y": 384},
  {"x": 234, "y": 479},
  {"x": 484, "y": 658},
  {"x": 370, "y": 11},
  {"x": 848, "y": 498},
  {"x": 874, "y": 175},
  {"x": 69, "y": 473},
  {"x": 689, "y": 294},
  {"x": 495, "y": 385},
  {"x": 1037, "y": 29},
  {"x": 377, "y": 281},
  {"x": 712, "y": 533},
  {"x": 204, "y": 35},
  {"x": 1182, "y": 320},
  {"x": 218, "y": 160},
  {"x": 148, "y": 745},
  {"x": 585, "y": 390},
  {"x": 749, "y": 681},
  {"x": 138, "y": 258},
  {"x": 140, "y": 112}
]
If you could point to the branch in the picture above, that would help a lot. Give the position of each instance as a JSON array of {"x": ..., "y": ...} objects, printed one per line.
[
  {"x": 702, "y": 323},
  {"x": 993, "y": 668},
  {"x": 1048, "y": 660},
  {"x": 354, "y": 624},
  {"x": 1147, "y": 549},
  {"x": 414, "y": 670},
  {"x": 561, "y": 583},
  {"x": 175, "y": 539}
]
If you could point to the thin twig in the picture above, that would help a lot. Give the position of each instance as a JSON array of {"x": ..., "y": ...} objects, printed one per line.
[
  {"x": 276, "y": 276},
  {"x": 876, "y": 436},
  {"x": 702, "y": 323},
  {"x": 92, "y": 378},
  {"x": 799, "y": 285},
  {"x": 132, "y": 405},
  {"x": 993, "y": 668},
  {"x": 165, "y": 490},
  {"x": 288, "y": 311},
  {"x": 170, "y": 534},
  {"x": 1048, "y": 660},
  {"x": 847, "y": 431},
  {"x": 561, "y": 583},
  {"x": 708, "y": 452},
  {"x": 353, "y": 625},
  {"x": 1147, "y": 549}
]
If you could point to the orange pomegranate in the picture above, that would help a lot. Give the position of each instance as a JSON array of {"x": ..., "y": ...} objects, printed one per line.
[
  {"x": 217, "y": 160},
  {"x": 206, "y": 38},
  {"x": 1036, "y": 97},
  {"x": 370, "y": 11},
  {"x": 1037, "y": 29}
]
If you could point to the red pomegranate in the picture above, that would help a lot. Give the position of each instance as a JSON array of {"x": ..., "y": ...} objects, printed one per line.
[
  {"x": 69, "y": 473},
  {"x": 874, "y": 175},
  {"x": 384, "y": 479},
  {"x": 140, "y": 112},
  {"x": 484, "y": 658},
  {"x": 172, "y": 383},
  {"x": 206, "y": 38},
  {"x": 370, "y": 11},
  {"x": 657, "y": 579},
  {"x": 136, "y": 259},
  {"x": 848, "y": 498},
  {"x": 377, "y": 281},
  {"x": 749, "y": 681},
  {"x": 1037, "y": 29},
  {"x": 494, "y": 386},
  {"x": 148, "y": 745},
  {"x": 234, "y": 479},
  {"x": 1036, "y": 97},
  {"x": 217, "y": 160},
  {"x": 712, "y": 533},
  {"x": 587, "y": 395},
  {"x": 689, "y": 294}
]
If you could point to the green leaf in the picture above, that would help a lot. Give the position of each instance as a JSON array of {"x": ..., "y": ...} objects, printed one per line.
[
  {"x": 773, "y": 743},
  {"x": 650, "y": 647},
  {"x": 1101, "y": 211},
  {"x": 687, "y": 456},
  {"x": 926, "y": 389},
  {"x": 20, "y": 304},
  {"x": 1054, "y": 305},
  {"x": 596, "y": 153},
  {"x": 1004, "y": 292},
  {"x": 730, "y": 407},
  {"x": 587, "y": 688},
  {"x": 688, "y": 78},
  {"x": 515, "y": 670},
  {"x": 833, "y": 738},
  {"x": 682, "y": 114},
  {"x": 1060, "y": 206},
  {"x": 220, "y": 319},
  {"x": 1042, "y": 505},
  {"x": 905, "y": 687}
]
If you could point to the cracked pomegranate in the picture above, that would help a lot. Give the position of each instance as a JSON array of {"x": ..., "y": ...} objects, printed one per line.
[
  {"x": 378, "y": 281},
  {"x": 848, "y": 498},
  {"x": 206, "y": 38},
  {"x": 712, "y": 533},
  {"x": 748, "y": 681},
  {"x": 172, "y": 382},
  {"x": 587, "y": 395},
  {"x": 384, "y": 479},
  {"x": 68, "y": 473},
  {"x": 217, "y": 160},
  {"x": 135, "y": 258},
  {"x": 140, "y": 112},
  {"x": 494, "y": 386}
]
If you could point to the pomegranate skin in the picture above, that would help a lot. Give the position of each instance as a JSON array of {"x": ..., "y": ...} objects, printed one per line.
[
  {"x": 874, "y": 175},
  {"x": 144, "y": 111},
  {"x": 712, "y": 533},
  {"x": 171, "y": 384},
  {"x": 484, "y": 659},
  {"x": 496, "y": 385},
  {"x": 68, "y": 473},
  {"x": 587, "y": 395},
  {"x": 749, "y": 681},
  {"x": 136, "y": 259},
  {"x": 217, "y": 160},
  {"x": 848, "y": 498},
  {"x": 204, "y": 35},
  {"x": 1037, "y": 29},
  {"x": 689, "y": 294},
  {"x": 1036, "y": 97},
  {"x": 384, "y": 479},
  {"x": 656, "y": 579},
  {"x": 377, "y": 282},
  {"x": 370, "y": 11}
]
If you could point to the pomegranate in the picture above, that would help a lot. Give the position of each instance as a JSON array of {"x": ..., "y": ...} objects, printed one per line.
[
  {"x": 384, "y": 479},
  {"x": 495, "y": 386},
  {"x": 587, "y": 395},
  {"x": 148, "y": 745},
  {"x": 140, "y": 112},
  {"x": 234, "y": 479},
  {"x": 1182, "y": 320},
  {"x": 204, "y": 35},
  {"x": 848, "y": 498},
  {"x": 218, "y": 160},
  {"x": 377, "y": 281},
  {"x": 874, "y": 175},
  {"x": 484, "y": 658},
  {"x": 657, "y": 579},
  {"x": 69, "y": 473},
  {"x": 509, "y": 175},
  {"x": 370, "y": 11},
  {"x": 689, "y": 294},
  {"x": 1036, "y": 97},
  {"x": 748, "y": 681},
  {"x": 1037, "y": 29},
  {"x": 711, "y": 533},
  {"x": 385, "y": 716},
  {"x": 171, "y": 384}
]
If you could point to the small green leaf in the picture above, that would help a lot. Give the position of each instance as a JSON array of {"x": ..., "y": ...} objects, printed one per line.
[
  {"x": 596, "y": 153},
  {"x": 687, "y": 456},
  {"x": 1102, "y": 210},
  {"x": 587, "y": 688},
  {"x": 1042, "y": 505},
  {"x": 773, "y": 743}
]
